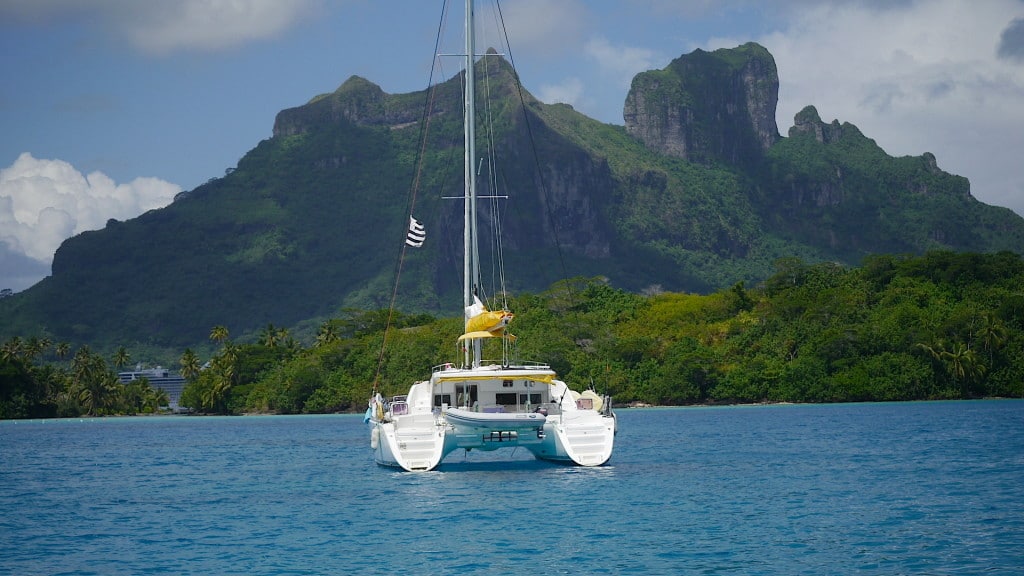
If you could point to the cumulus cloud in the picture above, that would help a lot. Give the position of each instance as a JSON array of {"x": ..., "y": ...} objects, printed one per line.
[
  {"x": 561, "y": 27},
  {"x": 210, "y": 24},
  {"x": 621, "y": 62},
  {"x": 937, "y": 76},
  {"x": 44, "y": 202},
  {"x": 570, "y": 91},
  {"x": 161, "y": 27},
  {"x": 1011, "y": 41}
]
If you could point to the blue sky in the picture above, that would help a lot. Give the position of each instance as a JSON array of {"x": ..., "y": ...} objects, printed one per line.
[{"x": 110, "y": 107}]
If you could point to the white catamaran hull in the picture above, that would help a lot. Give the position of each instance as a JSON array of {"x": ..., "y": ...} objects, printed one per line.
[
  {"x": 414, "y": 449},
  {"x": 411, "y": 434},
  {"x": 425, "y": 449},
  {"x": 485, "y": 406}
]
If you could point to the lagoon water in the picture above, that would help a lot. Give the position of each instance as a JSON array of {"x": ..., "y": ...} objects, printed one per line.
[{"x": 902, "y": 488}]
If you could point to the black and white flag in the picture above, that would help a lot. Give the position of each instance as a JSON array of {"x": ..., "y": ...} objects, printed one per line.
[{"x": 417, "y": 233}]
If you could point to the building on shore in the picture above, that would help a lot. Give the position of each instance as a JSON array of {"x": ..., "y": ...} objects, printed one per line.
[{"x": 171, "y": 382}]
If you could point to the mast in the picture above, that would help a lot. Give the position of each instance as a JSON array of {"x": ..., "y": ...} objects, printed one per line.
[{"x": 471, "y": 265}]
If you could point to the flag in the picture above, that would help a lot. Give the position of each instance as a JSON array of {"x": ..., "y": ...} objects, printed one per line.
[{"x": 417, "y": 233}]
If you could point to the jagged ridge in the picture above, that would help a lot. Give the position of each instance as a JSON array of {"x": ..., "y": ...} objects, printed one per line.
[{"x": 696, "y": 191}]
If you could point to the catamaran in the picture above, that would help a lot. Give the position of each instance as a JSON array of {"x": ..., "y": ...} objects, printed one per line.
[{"x": 478, "y": 405}]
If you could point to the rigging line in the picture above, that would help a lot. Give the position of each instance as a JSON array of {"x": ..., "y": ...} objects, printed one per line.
[
  {"x": 496, "y": 262},
  {"x": 533, "y": 147},
  {"x": 496, "y": 218},
  {"x": 540, "y": 174},
  {"x": 429, "y": 100},
  {"x": 497, "y": 246}
]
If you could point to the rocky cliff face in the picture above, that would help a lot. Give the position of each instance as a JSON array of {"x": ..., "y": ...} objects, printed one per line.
[
  {"x": 837, "y": 186},
  {"x": 309, "y": 221},
  {"x": 926, "y": 169},
  {"x": 807, "y": 121},
  {"x": 708, "y": 106},
  {"x": 559, "y": 202},
  {"x": 358, "y": 101}
]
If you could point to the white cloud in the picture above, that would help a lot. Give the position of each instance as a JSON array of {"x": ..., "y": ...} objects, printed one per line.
[
  {"x": 210, "y": 24},
  {"x": 535, "y": 26},
  {"x": 167, "y": 26},
  {"x": 621, "y": 63},
  {"x": 44, "y": 202},
  {"x": 916, "y": 77},
  {"x": 570, "y": 91}
]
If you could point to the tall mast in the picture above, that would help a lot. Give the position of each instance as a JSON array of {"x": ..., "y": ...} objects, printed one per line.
[{"x": 470, "y": 263}]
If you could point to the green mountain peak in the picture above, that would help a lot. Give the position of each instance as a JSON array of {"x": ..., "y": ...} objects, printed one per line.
[{"x": 696, "y": 192}]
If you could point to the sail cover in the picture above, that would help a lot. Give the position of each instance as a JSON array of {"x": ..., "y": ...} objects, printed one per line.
[{"x": 480, "y": 319}]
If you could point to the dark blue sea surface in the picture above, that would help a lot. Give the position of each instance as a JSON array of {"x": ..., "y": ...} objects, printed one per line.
[{"x": 902, "y": 488}]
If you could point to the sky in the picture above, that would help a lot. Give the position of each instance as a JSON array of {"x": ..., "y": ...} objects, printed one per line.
[{"x": 108, "y": 108}]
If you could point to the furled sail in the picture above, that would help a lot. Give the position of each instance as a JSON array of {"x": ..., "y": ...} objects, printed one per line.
[{"x": 484, "y": 323}]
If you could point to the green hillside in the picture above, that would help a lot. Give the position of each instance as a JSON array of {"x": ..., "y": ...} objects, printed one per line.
[
  {"x": 311, "y": 221},
  {"x": 938, "y": 326}
]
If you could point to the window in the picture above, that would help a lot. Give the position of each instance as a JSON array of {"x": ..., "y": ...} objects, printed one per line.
[
  {"x": 505, "y": 398},
  {"x": 465, "y": 394},
  {"x": 534, "y": 398}
]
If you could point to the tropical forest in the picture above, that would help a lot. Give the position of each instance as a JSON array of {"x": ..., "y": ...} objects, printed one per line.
[
  {"x": 942, "y": 325},
  {"x": 693, "y": 255}
]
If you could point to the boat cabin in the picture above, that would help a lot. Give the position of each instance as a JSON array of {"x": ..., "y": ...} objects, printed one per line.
[{"x": 506, "y": 395}]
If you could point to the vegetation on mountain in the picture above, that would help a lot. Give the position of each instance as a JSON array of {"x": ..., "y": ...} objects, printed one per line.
[
  {"x": 942, "y": 325},
  {"x": 310, "y": 222}
]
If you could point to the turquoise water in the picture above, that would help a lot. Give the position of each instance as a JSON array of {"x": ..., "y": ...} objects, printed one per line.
[{"x": 916, "y": 488}]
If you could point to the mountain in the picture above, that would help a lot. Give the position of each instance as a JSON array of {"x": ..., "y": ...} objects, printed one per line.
[{"x": 698, "y": 190}]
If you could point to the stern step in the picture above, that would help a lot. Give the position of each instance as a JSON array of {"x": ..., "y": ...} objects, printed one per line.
[
  {"x": 589, "y": 443},
  {"x": 417, "y": 447}
]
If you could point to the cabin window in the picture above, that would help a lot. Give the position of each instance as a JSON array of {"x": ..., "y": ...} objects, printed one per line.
[
  {"x": 465, "y": 394},
  {"x": 505, "y": 398},
  {"x": 530, "y": 398},
  {"x": 440, "y": 399},
  {"x": 506, "y": 383}
]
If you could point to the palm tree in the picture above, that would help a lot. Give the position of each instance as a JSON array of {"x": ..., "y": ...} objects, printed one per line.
[
  {"x": 960, "y": 362},
  {"x": 219, "y": 334},
  {"x": 44, "y": 344},
  {"x": 92, "y": 381},
  {"x": 155, "y": 398},
  {"x": 993, "y": 334},
  {"x": 131, "y": 396},
  {"x": 33, "y": 346},
  {"x": 97, "y": 392},
  {"x": 963, "y": 364},
  {"x": 223, "y": 368},
  {"x": 326, "y": 334},
  {"x": 190, "y": 366},
  {"x": 271, "y": 336},
  {"x": 62, "y": 350},
  {"x": 121, "y": 357},
  {"x": 12, "y": 349},
  {"x": 82, "y": 363},
  {"x": 68, "y": 404}
]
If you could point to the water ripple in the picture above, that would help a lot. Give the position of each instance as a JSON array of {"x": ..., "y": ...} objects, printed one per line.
[{"x": 872, "y": 488}]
